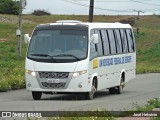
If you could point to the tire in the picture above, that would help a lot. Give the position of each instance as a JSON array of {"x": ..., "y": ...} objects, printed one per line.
[
  {"x": 36, "y": 95},
  {"x": 90, "y": 95},
  {"x": 112, "y": 90},
  {"x": 121, "y": 86}
]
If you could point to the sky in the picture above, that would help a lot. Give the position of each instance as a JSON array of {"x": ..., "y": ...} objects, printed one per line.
[{"x": 102, "y": 7}]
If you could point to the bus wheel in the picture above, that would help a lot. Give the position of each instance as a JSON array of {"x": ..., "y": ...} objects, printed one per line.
[
  {"x": 112, "y": 90},
  {"x": 36, "y": 95},
  {"x": 90, "y": 95},
  {"x": 121, "y": 86}
]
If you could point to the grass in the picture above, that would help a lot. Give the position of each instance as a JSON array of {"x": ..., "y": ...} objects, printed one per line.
[
  {"x": 148, "y": 45},
  {"x": 153, "y": 103},
  {"x": 12, "y": 69}
]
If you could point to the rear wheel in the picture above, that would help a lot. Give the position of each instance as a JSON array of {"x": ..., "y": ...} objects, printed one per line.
[
  {"x": 121, "y": 86},
  {"x": 90, "y": 95},
  {"x": 112, "y": 90},
  {"x": 36, "y": 95}
]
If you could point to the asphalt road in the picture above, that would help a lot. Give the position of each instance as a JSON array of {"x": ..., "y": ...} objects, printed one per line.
[{"x": 138, "y": 91}]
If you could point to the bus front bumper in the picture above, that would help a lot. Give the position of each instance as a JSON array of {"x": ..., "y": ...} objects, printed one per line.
[{"x": 78, "y": 84}]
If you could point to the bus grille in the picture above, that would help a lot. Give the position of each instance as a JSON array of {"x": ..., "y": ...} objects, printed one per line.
[
  {"x": 55, "y": 75},
  {"x": 53, "y": 85}
]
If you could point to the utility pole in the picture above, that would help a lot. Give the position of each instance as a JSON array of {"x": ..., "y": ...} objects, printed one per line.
[
  {"x": 91, "y": 10},
  {"x": 22, "y": 4},
  {"x": 19, "y": 30},
  {"x": 137, "y": 21}
]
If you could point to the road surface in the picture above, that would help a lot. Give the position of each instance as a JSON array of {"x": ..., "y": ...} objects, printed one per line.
[{"x": 137, "y": 91}]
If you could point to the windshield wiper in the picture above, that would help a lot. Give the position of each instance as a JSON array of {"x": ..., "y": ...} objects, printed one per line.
[
  {"x": 44, "y": 55},
  {"x": 67, "y": 55}
]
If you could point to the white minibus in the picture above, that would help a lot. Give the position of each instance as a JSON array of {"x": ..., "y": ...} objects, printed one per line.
[{"x": 73, "y": 56}]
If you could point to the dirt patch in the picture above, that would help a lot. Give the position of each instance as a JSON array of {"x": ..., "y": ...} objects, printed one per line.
[
  {"x": 3, "y": 40},
  {"x": 13, "y": 19}
]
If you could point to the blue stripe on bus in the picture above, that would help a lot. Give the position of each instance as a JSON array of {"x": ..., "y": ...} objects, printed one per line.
[{"x": 115, "y": 61}]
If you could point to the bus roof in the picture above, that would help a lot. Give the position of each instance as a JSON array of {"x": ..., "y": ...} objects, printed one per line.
[
  {"x": 90, "y": 25},
  {"x": 107, "y": 25}
]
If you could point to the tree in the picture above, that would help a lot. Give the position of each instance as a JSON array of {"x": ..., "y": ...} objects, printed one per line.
[{"x": 9, "y": 7}]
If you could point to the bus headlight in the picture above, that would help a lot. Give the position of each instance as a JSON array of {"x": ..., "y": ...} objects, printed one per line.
[
  {"x": 31, "y": 73},
  {"x": 75, "y": 74}
]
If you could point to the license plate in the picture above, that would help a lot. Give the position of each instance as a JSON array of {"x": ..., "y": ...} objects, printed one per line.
[{"x": 53, "y": 81}]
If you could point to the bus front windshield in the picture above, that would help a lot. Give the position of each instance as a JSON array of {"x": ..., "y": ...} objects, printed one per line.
[{"x": 58, "y": 45}]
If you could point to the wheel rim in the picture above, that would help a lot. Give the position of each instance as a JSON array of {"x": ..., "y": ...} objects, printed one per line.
[
  {"x": 122, "y": 83},
  {"x": 93, "y": 89},
  {"x": 121, "y": 86}
]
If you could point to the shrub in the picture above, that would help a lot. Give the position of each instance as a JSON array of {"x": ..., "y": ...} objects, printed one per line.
[
  {"x": 16, "y": 82},
  {"x": 40, "y": 12},
  {"x": 129, "y": 20},
  {"x": 12, "y": 49},
  {"x": 3, "y": 86},
  {"x": 155, "y": 102}
]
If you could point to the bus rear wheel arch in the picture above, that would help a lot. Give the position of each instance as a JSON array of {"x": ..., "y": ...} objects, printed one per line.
[
  {"x": 118, "y": 89},
  {"x": 122, "y": 85}
]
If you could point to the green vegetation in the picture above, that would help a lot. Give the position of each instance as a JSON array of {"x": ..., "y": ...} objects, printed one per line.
[
  {"x": 153, "y": 103},
  {"x": 12, "y": 69},
  {"x": 9, "y": 7}
]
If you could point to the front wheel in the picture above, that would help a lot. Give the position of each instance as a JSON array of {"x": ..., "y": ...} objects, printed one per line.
[
  {"x": 90, "y": 95},
  {"x": 36, "y": 95}
]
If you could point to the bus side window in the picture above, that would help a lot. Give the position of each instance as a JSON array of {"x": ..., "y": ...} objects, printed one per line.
[
  {"x": 93, "y": 48},
  {"x": 118, "y": 41},
  {"x": 124, "y": 41},
  {"x": 99, "y": 45},
  {"x": 133, "y": 40},
  {"x": 101, "y": 40},
  {"x": 112, "y": 42},
  {"x": 105, "y": 42},
  {"x": 130, "y": 40}
]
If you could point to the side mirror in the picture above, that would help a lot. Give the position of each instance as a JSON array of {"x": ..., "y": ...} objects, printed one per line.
[
  {"x": 27, "y": 38},
  {"x": 94, "y": 38}
]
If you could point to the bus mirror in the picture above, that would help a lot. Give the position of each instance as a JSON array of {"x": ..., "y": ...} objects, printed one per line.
[
  {"x": 26, "y": 38},
  {"x": 94, "y": 38}
]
